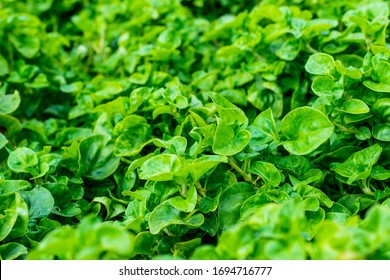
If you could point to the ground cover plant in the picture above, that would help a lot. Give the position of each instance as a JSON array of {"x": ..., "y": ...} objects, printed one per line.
[{"x": 222, "y": 129}]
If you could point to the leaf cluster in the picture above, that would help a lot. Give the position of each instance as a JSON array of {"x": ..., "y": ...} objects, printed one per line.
[{"x": 142, "y": 129}]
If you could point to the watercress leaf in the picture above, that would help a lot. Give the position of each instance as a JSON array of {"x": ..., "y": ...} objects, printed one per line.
[
  {"x": 186, "y": 248},
  {"x": 325, "y": 86},
  {"x": 160, "y": 168},
  {"x": 381, "y": 108},
  {"x": 3, "y": 141},
  {"x": 320, "y": 64},
  {"x": 380, "y": 173},
  {"x": 11, "y": 124},
  {"x": 227, "y": 111},
  {"x": 12, "y": 250},
  {"x": 28, "y": 46},
  {"x": 23, "y": 160},
  {"x": 296, "y": 165},
  {"x": 4, "y": 69},
  {"x": 228, "y": 141},
  {"x": 132, "y": 140},
  {"x": 378, "y": 87},
  {"x": 267, "y": 172},
  {"x": 8, "y": 187},
  {"x": 364, "y": 133},
  {"x": 14, "y": 216},
  {"x": 305, "y": 129},
  {"x": 165, "y": 214},
  {"x": 185, "y": 204},
  {"x": 252, "y": 204},
  {"x": 96, "y": 157},
  {"x": 176, "y": 145},
  {"x": 144, "y": 243},
  {"x": 311, "y": 204},
  {"x": 381, "y": 132},
  {"x": 307, "y": 191},
  {"x": 358, "y": 166},
  {"x": 354, "y": 106},
  {"x": 356, "y": 203},
  {"x": 289, "y": 49},
  {"x": 40, "y": 202},
  {"x": 9, "y": 103},
  {"x": 314, "y": 221},
  {"x": 230, "y": 203},
  {"x": 263, "y": 130},
  {"x": 243, "y": 239},
  {"x": 197, "y": 168}
]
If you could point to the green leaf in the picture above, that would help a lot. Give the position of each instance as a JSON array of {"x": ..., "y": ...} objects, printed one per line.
[
  {"x": 96, "y": 157},
  {"x": 3, "y": 141},
  {"x": 176, "y": 145},
  {"x": 355, "y": 107},
  {"x": 9, "y": 103},
  {"x": 92, "y": 239},
  {"x": 40, "y": 202},
  {"x": 289, "y": 50},
  {"x": 324, "y": 86},
  {"x": 160, "y": 168},
  {"x": 11, "y": 124},
  {"x": 165, "y": 214},
  {"x": 305, "y": 129},
  {"x": 378, "y": 87},
  {"x": 4, "y": 69},
  {"x": 12, "y": 250},
  {"x": 296, "y": 165},
  {"x": 185, "y": 249},
  {"x": 320, "y": 64},
  {"x": 356, "y": 203},
  {"x": 185, "y": 204},
  {"x": 380, "y": 173},
  {"x": 230, "y": 203},
  {"x": 237, "y": 243},
  {"x": 381, "y": 132},
  {"x": 23, "y": 160},
  {"x": 144, "y": 243},
  {"x": 267, "y": 172},
  {"x": 228, "y": 141},
  {"x": 227, "y": 111},
  {"x": 263, "y": 130},
  {"x": 307, "y": 191},
  {"x": 8, "y": 187},
  {"x": 358, "y": 166},
  {"x": 13, "y": 216},
  {"x": 28, "y": 46}
]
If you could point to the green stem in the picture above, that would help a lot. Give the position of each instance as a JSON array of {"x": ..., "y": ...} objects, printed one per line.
[
  {"x": 125, "y": 160},
  {"x": 310, "y": 48},
  {"x": 183, "y": 190},
  {"x": 168, "y": 232},
  {"x": 366, "y": 189},
  {"x": 247, "y": 177},
  {"x": 200, "y": 189},
  {"x": 345, "y": 129}
]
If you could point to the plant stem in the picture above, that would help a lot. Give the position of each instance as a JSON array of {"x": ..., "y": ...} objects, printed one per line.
[
  {"x": 183, "y": 190},
  {"x": 366, "y": 189},
  {"x": 200, "y": 189},
  {"x": 345, "y": 129},
  {"x": 247, "y": 177},
  {"x": 125, "y": 160}
]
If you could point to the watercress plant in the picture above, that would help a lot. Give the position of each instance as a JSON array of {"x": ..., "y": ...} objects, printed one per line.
[{"x": 144, "y": 129}]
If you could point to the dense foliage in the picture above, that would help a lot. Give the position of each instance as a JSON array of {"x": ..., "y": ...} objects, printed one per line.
[{"x": 219, "y": 129}]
